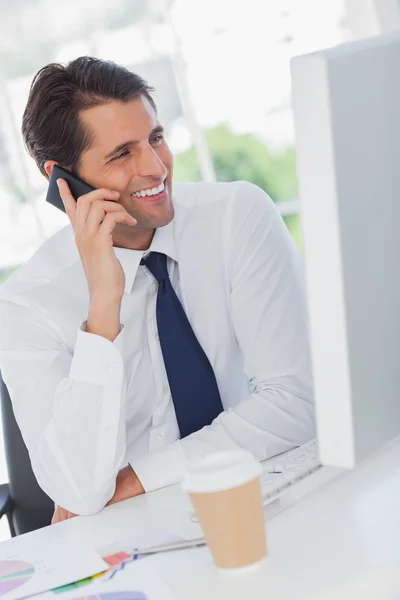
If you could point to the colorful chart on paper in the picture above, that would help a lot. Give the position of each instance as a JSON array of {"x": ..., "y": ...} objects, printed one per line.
[
  {"x": 113, "y": 560},
  {"x": 115, "y": 596},
  {"x": 13, "y": 574}
]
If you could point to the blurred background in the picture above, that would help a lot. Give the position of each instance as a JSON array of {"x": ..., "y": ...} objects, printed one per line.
[
  {"x": 221, "y": 70},
  {"x": 222, "y": 76}
]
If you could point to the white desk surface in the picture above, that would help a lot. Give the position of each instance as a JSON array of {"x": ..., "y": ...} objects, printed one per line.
[{"x": 345, "y": 530}]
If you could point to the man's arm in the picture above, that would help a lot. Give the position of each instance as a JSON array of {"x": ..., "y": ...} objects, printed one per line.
[
  {"x": 127, "y": 485},
  {"x": 269, "y": 314},
  {"x": 70, "y": 406}
]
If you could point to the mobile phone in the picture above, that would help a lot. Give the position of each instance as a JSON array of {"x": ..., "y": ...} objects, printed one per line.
[{"x": 77, "y": 186}]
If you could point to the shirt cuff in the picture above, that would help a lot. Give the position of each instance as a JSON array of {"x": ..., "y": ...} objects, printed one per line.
[
  {"x": 161, "y": 468},
  {"x": 95, "y": 358}
]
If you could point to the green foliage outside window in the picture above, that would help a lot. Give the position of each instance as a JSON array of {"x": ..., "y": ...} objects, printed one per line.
[{"x": 239, "y": 157}]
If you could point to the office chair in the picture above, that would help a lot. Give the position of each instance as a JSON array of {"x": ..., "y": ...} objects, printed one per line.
[{"x": 24, "y": 503}]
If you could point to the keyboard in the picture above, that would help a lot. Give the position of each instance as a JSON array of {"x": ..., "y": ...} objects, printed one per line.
[{"x": 284, "y": 470}]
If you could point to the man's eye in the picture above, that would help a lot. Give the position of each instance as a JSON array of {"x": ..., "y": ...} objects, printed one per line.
[
  {"x": 125, "y": 153},
  {"x": 157, "y": 139}
]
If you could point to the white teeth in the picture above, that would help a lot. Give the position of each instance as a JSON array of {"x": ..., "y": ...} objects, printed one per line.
[{"x": 149, "y": 191}]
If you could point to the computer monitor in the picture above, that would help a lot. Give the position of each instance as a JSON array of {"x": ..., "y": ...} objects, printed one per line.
[{"x": 346, "y": 103}]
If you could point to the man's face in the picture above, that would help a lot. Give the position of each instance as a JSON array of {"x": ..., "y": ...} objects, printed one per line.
[{"x": 129, "y": 154}]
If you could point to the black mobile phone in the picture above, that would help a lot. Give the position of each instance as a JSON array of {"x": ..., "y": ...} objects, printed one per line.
[{"x": 77, "y": 186}]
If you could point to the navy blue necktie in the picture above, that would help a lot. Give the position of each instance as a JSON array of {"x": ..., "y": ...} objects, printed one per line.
[{"x": 190, "y": 375}]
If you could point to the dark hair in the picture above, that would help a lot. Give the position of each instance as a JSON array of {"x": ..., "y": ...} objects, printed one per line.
[{"x": 51, "y": 124}]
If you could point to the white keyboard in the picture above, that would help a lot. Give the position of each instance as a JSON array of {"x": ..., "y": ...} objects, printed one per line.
[{"x": 282, "y": 471}]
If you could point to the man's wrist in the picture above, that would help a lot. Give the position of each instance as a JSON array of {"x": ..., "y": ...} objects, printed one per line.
[{"x": 104, "y": 318}]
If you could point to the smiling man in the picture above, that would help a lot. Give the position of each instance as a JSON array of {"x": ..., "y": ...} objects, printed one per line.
[{"x": 164, "y": 323}]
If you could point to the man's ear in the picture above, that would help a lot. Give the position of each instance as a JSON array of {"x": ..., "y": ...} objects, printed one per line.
[{"x": 48, "y": 167}]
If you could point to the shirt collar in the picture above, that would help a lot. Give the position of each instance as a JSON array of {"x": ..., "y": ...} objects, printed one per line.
[{"x": 163, "y": 241}]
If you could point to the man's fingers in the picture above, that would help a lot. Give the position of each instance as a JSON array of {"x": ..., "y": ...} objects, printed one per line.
[
  {"x": 68, "y": 200},
  {"x": 86, "y": 203},
  {"x": 112, "y": 218},
  {"x": 99, "y": 209},
  {"x": 61, "y": 514},
  {"x": 79, "y": 209},
  {"x": 56, "y": 516}
]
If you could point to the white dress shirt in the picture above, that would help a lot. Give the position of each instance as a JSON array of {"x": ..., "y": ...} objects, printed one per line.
[{"x": 87, "y": 406}]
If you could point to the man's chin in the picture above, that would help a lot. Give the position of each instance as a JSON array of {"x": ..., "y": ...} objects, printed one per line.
[
  {"x": 165, "y": 219},
  {"x": 153, "y": 220}
]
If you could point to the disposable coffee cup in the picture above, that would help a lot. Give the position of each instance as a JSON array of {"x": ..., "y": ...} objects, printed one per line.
[{"x": 225, "y": 491}]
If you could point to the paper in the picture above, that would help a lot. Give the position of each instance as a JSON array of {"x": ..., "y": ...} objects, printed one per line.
[
  {"x": 126, "y": 547},
  {"x": 121, "y": 560},
  {"x": 166, "y": 564},
  {"x": 42, "y": 560},
  {"x": 119, "y": 554},
  {"x": 135, "y": 582}
]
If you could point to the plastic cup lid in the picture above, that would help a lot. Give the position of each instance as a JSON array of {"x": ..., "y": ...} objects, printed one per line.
[{"x": 221, "y": 471}]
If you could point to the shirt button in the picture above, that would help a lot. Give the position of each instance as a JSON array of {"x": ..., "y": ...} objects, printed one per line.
[
  {"x": 160, "y": 435},
  {"x": 157, "y": 337},
  {"x": 165, "y": 389},
  {"x": 111, "y": 368}
]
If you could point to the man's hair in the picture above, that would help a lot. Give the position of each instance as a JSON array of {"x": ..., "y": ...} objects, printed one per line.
[{"x": 51, "y": 124}]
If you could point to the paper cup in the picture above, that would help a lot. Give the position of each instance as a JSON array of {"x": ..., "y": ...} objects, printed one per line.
[{"x": 226, "y": 494}]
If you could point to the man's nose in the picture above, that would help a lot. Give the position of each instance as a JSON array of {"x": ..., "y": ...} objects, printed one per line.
[{"x": 150, "y": 164}]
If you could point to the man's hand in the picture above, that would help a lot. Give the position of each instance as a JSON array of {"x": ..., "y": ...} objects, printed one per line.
[
  {"x": 60, "y": 514},
  {"x": 94, "y": 217},
  {"x": 127, "y": 486}
]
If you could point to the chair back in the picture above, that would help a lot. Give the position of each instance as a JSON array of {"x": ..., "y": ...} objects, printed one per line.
[{"x": 32, "y": 508}]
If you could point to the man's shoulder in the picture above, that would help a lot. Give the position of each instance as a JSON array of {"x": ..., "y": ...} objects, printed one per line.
[
  {"x": 205, "y": 192},
  {"x": 225, "y": 201},
  {"x": 55, "y": 254}
]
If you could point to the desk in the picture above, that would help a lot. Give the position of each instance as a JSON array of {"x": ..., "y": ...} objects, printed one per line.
[{"x": 347, "y": 529}]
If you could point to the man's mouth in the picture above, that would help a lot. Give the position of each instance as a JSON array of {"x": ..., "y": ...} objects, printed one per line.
[{"x": 152, "y": 194}]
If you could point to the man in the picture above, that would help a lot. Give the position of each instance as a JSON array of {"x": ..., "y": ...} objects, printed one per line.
[{"x": 165, "y": 323}]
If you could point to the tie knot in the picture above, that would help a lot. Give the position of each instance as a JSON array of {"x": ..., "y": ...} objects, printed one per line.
[{"x": 157, "y": 265}]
